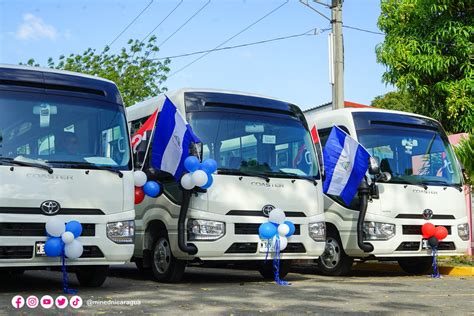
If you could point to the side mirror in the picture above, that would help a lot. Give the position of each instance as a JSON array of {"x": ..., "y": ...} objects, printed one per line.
[
  {"x": 374, "y": 167},
  {"x": 385, "y": 176}
]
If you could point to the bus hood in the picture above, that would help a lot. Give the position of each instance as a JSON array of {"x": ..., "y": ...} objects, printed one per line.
[
  {"x": 240, "y": 194},
  {"x": 24, "y": 189},
  {"x": 399, "y": 201}
]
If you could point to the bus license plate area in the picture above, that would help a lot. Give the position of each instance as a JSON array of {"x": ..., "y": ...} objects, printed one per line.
[
  {"x": 39, "y": 249},
  {"x": 266, "y": 245}
]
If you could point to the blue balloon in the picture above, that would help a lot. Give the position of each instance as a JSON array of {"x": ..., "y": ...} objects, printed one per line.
[
  {"x": 209, "y": 166},
  {"x": 210, "y": 180},
  {"x": 267, "y": 230},
  {"x": 152, "y": 189},
  {"x": 54, "y": 247},
  {"x": 75, "y": 228},
  {"x": 292, "y": 228},
  {"x": 191, "y": 163}
]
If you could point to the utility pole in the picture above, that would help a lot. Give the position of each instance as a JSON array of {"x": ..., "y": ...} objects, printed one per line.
[{"x": 337, "y": 55}]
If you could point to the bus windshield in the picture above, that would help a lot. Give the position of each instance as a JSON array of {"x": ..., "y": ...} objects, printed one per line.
[
  {"x": 257, "y": 144},
  {"x": 62, "y": 131},
  {"x": 412, "y": 155}
]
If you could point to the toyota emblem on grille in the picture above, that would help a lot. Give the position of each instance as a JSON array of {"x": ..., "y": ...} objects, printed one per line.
[
  {"x": 267, "y": 209},
  {"x": 427, "y": 214},
  {"x": 50, "y": 207}
]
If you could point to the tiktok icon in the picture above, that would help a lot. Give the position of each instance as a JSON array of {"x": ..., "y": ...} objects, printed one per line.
[
  {"x": 75, "y": 302},
  {"x": 18, "y": 301}
]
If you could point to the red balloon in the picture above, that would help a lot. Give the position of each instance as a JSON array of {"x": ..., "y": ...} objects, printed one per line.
[
  {"x": 441, "y": 232},
  {"x": 428, "y": 230},
  {"x": 139, "y": 195}
]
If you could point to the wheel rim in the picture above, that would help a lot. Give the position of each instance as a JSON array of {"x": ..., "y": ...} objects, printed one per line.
[
  {"x": 162, "y": 256},
  {"x": 332, "y": 254}
]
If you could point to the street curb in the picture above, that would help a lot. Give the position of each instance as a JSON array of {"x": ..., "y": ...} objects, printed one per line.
[{"x": 452, "y": 271}]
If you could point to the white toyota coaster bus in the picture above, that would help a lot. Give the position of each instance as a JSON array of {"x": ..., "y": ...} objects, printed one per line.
[
  {"x": 265, "y": 158},
  {"x": 420, "y": 180},
  {"x": 64, "y": 152}
]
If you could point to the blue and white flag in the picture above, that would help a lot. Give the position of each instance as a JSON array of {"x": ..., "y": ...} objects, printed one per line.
[
  {"x": 345, "y": 162},
  {"x": 171, "y": 141}
]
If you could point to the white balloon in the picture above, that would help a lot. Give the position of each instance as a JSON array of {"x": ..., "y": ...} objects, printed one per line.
[
  {"x": 67, "y": 237},
  {"x": 55, "y": 227},
  {"x": 283, "y": 229},
  {"x": 283, "y": 242},
  {"x": 187, "y": 182},
  {"x": 199, "y": 178},
  {"x": 73, "y": 250},
  {"x": 140, "y": 178},
  {"x": 277, "y": 216}
]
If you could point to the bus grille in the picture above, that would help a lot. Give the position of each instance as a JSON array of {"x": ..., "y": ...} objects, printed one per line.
[
  {"x": 416, "y": 229},
  {"x": 36, "y": 229},
  {"x": 252, "y": 229}
]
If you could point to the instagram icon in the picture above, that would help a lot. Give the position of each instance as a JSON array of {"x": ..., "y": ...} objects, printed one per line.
[
  {"x": 18, "y": 301},
  {"x": 32, "y": 301}
]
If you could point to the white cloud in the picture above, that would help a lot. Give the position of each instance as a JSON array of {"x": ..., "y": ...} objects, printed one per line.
[{"x": 34, "y": 27}]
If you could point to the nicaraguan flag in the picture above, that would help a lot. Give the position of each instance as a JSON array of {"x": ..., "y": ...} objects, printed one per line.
[
  {"x": 171, "y": 142},
  {"x": 345, "y": 162}
]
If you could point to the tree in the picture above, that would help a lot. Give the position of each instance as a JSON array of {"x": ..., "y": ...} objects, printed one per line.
[
  {"x": 465, "y": 152},
  {"x": 395, "y": 100},
  {"x": 137, "y": 76},
  {"x": 427, "y": 52}
]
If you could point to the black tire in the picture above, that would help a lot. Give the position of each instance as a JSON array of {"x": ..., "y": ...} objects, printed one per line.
[
  {"x": 267, "y": 272},
  {"x": 165, "y": 267},
  {"x": 92, "y": 276},
  {"x": 334, "y": 261},
  {"x": 415, "y": 265}
]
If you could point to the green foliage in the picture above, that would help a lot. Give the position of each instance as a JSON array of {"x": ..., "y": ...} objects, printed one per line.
[
  {"x": 137, "y": 76},
  {"x": 428, "y": 52},
  {"x": 395, "y": 100},
  {"x": 465, "y": 153}
]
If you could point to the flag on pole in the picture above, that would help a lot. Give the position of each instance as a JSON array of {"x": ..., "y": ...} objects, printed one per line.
[
  {"x": 346, "y": 163},
  {"x": 142, "y": 137},
  {"x": 172, "y": 141}
]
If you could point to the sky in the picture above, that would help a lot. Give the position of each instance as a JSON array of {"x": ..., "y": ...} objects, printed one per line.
[{"x": 295, "y": 69}]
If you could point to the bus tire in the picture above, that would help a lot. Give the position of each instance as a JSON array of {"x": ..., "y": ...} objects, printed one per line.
[
  {"x": 415, "y": 265},
  {"x": 92, "y": 276},
  {"x": 267, "y": 272},
  {"x": 334, "y": 261},
  {"x": 165, "y": 267}
]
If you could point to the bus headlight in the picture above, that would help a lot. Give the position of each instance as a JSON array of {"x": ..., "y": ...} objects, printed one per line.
[
  {"x": 463, "y": 231},
  {"x": 317, "y": 231},
  {"x": 201, "y": 229},
  {"x": 378, "y": 231},
  {"x": 121, "y": 232}
]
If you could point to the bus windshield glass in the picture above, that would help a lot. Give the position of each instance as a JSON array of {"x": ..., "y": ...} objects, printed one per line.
[
  {"x": 412, "y": 155},
  {"x": 256, "y": 144},
  {"x": 62, "y": 131}
]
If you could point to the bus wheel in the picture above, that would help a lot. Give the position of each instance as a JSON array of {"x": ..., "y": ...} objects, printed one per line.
[
  {"x": 334, "y": 260},
  {"x": 266, "y": 269},
  {"x": 415, "y": 265},
  {"x": 92, "y": 276},
  {"x": 166, "y": 268}
]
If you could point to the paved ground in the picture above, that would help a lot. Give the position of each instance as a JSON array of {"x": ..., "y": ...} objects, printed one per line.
[{"x": 237, "y": 292}]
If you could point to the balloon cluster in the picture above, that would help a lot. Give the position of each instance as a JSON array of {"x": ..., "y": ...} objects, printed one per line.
[
  {"x": 63, "y": 239},
  {"x": 200, "y": 174},
  {"x": 145, "y": 187},
  {"x": 433, "y": 234},
  {"x": 277, "y": 227}
]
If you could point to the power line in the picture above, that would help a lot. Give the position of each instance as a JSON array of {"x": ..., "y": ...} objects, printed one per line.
[
  {"x": 230, "y": 38},
  {"x": 362, "y": 30},
  {"x": 186, "y": 22},
  {"x": 130, "y": 24},
  {"x": 310, "y": 32},
  {"x": 162, "y": 21}
]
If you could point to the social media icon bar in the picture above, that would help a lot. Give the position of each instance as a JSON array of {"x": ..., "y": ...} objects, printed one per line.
[
  {"x": 61, "y": 302},
  {"x": 18, "y": 301},
  {"x": 47, "y": 301},
  {"x": 75, "y": 302},
  {"x": 32, "y": 301}
]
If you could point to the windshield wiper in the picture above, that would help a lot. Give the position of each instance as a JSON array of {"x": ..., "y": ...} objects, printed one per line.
[
  {"x": 446, "y": 184},
  {"x": 22, "y": 163},
  {"x": 243, "y": 173},
  {"x": 88, "y": 165},
  {"x": 296, "y": 176}
]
